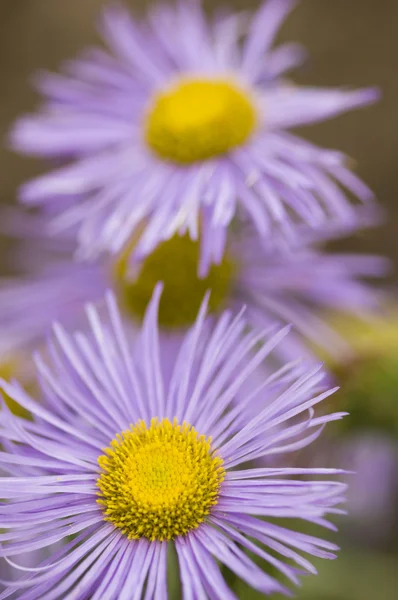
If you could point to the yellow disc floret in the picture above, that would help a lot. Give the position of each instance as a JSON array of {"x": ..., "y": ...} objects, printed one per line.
[
  {"x": 197, "y": 119},
  {"x": 175, "y": 262},
  {"x": 159, "y": 482}
]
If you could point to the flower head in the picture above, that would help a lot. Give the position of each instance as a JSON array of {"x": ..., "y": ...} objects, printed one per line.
[
  {"x": 275, "y": 284},
  {"x": 181, "y": 128},
  {"x": 120, "y": 464}
]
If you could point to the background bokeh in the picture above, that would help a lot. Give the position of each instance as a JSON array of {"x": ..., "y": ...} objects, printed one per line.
[{"x": 350, "y": 43}]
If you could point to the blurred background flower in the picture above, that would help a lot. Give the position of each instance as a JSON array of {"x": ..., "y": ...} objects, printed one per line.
[{"x": 277, "y": 285}]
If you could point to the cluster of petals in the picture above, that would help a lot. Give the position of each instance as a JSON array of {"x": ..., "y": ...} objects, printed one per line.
[
  {"x": 112, "y": 185},
  {"x": 292, "y": 286},
  {"x": 243, "y": 379},
  {"x": 96, "y": 385}
]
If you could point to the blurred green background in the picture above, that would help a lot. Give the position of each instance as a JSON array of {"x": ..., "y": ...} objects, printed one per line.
[{"x": 350, "y": 43}]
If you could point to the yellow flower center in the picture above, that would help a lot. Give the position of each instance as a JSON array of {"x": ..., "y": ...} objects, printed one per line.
[
  {"x": 175, "y": 262},
  {"x": 159, "y": 482},
  {"x": 197, "y": 119}
]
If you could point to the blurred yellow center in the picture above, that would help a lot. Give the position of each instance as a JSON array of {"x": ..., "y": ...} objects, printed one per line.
[
  {"x": 159, "y": 482},
  {"x": 198, "y": 119},
  {"x": 175, "y": 262}
]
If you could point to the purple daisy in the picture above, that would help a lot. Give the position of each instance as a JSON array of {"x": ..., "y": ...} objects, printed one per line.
[
  {"x": 179, "y": 133},
  {"x": 276, "y": 286},
  {"x": 128, "y": 465}
]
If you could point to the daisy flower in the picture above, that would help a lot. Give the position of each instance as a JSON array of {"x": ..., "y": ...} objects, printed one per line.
[
  {"x": 121, "y": 465},
  {"x": 182, "y": 126},
  {"x": 275, "y": 285}
]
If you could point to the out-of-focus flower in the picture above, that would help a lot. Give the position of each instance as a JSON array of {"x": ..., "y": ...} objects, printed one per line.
[
  {"x": 370, "y": 378},
  {"x": 366, "y": 442},
  {"x": 181, "y": 128},
  {"x": 276, "y": 286},
  {"x": 127, "y": 464},
  {"x": 373, "y": 491}
]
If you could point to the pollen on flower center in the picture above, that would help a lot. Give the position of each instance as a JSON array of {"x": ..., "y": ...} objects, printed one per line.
[
  {"x": 198, "y": 119},
  {"x": 159, "y": 482},
  {"x": 175, "y": 262}
]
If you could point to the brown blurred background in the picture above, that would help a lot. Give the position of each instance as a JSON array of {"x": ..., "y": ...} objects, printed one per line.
[{"x": 350, "y": 42}]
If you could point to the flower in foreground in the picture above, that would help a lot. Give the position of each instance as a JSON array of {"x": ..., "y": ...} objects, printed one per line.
[
  {"x": 275, "y": 285},
  {"x": 182, "y": 127},
  {"x": 120, "y": 465}
]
